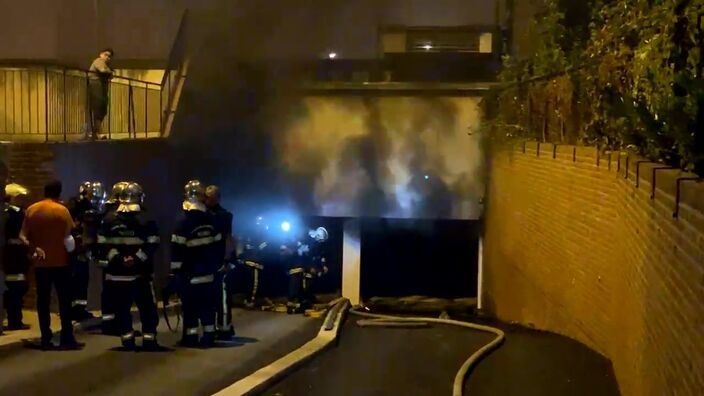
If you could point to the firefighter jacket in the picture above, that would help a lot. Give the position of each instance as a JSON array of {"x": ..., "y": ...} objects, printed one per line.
[
  {"x": 127, "y": 242},
  {"x": 196, "y": 252},
  {"x": 222, "y": 219},
  {"x": 16, "y": 260},
  {"x": 255, "y": 248}
]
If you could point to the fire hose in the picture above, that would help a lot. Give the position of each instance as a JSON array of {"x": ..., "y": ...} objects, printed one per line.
[{"x": 460, "y": 377}]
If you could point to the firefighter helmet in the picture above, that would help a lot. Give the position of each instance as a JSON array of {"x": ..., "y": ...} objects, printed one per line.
[
  {"x": 320, "y": 234},
  {"x": 94, "y": 192},
  {"x": 15, "y": 192},
  {"x": 132, "y": 194},
  {"x": 193, "y": 195},
  {"x": 117, "y": 189}
]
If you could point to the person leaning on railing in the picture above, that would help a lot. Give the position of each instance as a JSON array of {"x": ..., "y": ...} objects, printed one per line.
[{"x": 99, "y": 77}]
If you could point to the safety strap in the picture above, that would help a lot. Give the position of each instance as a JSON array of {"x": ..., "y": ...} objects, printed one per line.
[
  {"x": 209, "y": 328},
  {"x": 176, "y": 265},
  {"x": 108, "y": 317},
  {"x": 192, "y": 331},
  {"x": 127, "y": 336},
  {"x": 153, "y": 239}
]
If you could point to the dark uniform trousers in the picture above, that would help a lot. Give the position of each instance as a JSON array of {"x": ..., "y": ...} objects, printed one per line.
[
  {"x": 296, "y": 277},
  {"x": 196, "y": 257},
  {"x": 107, "y": 306},
  {"x": 80, "y": 272},
  {"x": 128, "y": 234},
  {"x": 124, "y": 293},
  {"x": 199, "y": 299},
  {"x": 252, "y": 272},
  {"x": 17, "y": 286}
]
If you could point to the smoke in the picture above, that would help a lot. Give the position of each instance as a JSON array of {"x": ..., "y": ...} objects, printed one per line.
[
  {"x": 241, "y": 124},
  {"x": 391, "y": 156}
]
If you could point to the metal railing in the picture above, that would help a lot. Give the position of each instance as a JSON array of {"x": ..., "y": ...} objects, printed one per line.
[
  {"x": 174, "y": 75},
  {"x": 40, "y": 102},
  {"x": 52, "y": 103}
]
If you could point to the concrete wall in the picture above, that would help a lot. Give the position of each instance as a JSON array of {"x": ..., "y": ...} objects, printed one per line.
[
  {"x": 574, "y": 247},
  {"x": 72, "y": 31}
]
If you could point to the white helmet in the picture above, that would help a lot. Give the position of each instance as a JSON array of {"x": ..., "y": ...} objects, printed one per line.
[{"x": 320, "y": 234}]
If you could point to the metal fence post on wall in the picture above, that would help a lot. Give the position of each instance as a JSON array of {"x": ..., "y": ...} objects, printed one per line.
[
  {"x": 129, "y": 108},
  {"x": 89, "y": 106},
  {"x": 64, "y": 103},
  {"x": 109, "y": 111},
  {"x": 46, "y": 105},
  {"x": 146, "y": 110},
  {"x": 161, "y": 109}
]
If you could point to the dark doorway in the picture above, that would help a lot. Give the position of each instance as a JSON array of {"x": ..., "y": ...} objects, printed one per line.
[{"x": 404, "y": 257}]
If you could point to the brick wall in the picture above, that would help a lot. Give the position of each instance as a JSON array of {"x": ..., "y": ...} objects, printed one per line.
[
  {"x": 30, "y": 165},
  {"x": 575, "y": 246}
]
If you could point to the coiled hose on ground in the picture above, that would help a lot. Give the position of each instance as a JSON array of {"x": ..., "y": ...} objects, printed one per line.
[{"x": 458, "y": 385}]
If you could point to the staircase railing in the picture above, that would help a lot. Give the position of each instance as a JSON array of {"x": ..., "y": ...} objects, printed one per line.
[
  {"x": 174, "y": 76},
  {"x": 52, "y": 103},
  {"x": 49, "y": 102}
]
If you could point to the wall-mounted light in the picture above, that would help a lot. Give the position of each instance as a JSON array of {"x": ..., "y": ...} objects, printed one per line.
[
  {"x": 428, "y": 47},
  {"x": 332, "y": 55}
]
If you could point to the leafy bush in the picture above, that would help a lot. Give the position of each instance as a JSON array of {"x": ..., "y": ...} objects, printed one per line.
[{"x": 629, "y": 77}]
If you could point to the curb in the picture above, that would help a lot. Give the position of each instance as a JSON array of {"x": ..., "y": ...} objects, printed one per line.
[{"x": 265, "y": 377}]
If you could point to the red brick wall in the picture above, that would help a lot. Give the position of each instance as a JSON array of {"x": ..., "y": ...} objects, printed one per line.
[
  {"x": 574, "y": 247},
  {"x": 30, "y": 165}
]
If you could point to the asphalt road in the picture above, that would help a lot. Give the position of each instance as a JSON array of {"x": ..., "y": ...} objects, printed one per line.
[
  {"x": 102, "y": 369},
  {"x": 381, "y": 361}
]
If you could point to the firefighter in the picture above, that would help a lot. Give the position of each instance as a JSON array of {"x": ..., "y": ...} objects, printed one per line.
[
  {"x": 316, "y": 263},
  {"x": 252, "y": 259},
  {"x": 306, "y": 262},
  {"x": 16, "y": 259},
  {"x": 86, "y": 210},
  {"x": 223, "y": 223},
  {"x": 107, "y": 305},
  {"x": 129, "y": 241},
  {"x": 196, "y": 258}
]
